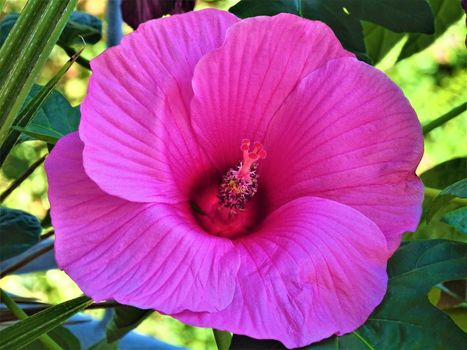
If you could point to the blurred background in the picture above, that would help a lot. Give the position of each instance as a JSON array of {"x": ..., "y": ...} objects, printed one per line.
[{"x": 434, "y": 81}]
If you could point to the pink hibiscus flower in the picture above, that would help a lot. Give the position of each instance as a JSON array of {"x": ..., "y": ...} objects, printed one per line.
[{"x": 248, "y": 175}]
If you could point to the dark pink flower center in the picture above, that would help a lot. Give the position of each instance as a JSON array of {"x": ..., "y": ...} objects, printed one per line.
[{"x": 229, "y": 210}]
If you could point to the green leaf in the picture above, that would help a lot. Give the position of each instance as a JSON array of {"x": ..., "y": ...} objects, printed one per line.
[
  {"x": 437, "y": 228},
  {"x": 81, "y": 26},
  {"x": 440, "y": 177},
  {"x": 446, "y": 13},
  {"x": 379, "y": 41},
  {"x": 222, "y": 338},
  {"x": 26, "y": 331},
  {"x": 459, "y": 315},
  {"x": 446, "y": 173},
  {"x": 457, "y": 219},
  {"x": 125, "y": 319},
  {"x": 457, "y": 189},
  {"x": 19, "y": 231},
  {"x": 62, "y": 337},
  {"x": 35, "y": 100},
  {"x": 32, "y": 135},
  {"x": 54, "y": 119},
  {"x": 405, "y": 320},
  {"x": 251, "y": 8},
  {"x": 346, "y": 27},
  {"x": 397, "y": 15},
  {"x": 44, "y": 340},
  {"x": 25, "y": 52}
]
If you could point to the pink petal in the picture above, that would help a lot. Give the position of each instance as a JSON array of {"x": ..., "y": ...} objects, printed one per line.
[
  {"x": 348, "y": 134},
  {"x": 315, "y": 268},
  {"x": 146, "y": 255},
  {"x": 240, "y": 86},
  {"x": 135, "y": 118}
]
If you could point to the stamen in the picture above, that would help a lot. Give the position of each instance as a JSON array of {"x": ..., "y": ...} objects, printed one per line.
[{"x": 240, "y": 184}]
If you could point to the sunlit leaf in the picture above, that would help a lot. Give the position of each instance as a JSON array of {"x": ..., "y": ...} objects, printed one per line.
[
  {"x": 223, "y": 339},
  {"x": 440, "y": 177},
  {"x": 54, "y": 119},
  {"x": 62, "y": 337},
  {"x": 28, "y": 330},
  {"x": 457, "y": 189},
  {"x": 379, "y": 41},
  {"x": 25, "y": 51},
  {"x": 446, "y": 13},
  {"x": 34, "y": 107}
]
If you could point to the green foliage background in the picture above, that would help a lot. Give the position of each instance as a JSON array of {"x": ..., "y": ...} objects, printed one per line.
[{"x": 434, "y": 81}]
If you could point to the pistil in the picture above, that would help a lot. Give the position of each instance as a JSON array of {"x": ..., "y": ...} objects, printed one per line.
[{"x": 240, "y": 183}]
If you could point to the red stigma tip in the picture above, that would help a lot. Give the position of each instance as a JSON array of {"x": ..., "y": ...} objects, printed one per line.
[
  {"x": 250, "y": 157},
  {"x": 253, "y": 155},
  {"x": 257, "y": 147}
]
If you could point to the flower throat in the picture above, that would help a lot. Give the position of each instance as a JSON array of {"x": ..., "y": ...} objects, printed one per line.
[
  {"x": 232, "y": 208},
  {"x": 240, "y": 184}
]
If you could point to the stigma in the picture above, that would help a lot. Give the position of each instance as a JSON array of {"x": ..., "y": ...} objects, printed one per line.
[{"x": 240, "y": 183}]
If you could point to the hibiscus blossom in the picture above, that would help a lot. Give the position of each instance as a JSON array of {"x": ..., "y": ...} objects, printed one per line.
[{"x": 247, "y": 175}]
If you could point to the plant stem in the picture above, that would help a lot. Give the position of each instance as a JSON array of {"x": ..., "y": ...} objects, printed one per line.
[
  {"x": 21, "y": 179},
  {"x": 46, "y": 235},
  {"x": 433, "y": 192},
  {"x": 114, "y": 22},
  {"x": 27, "y": 259},
  {"x": 445, "y": 118},
  {"x": 48, "y": 342}
]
